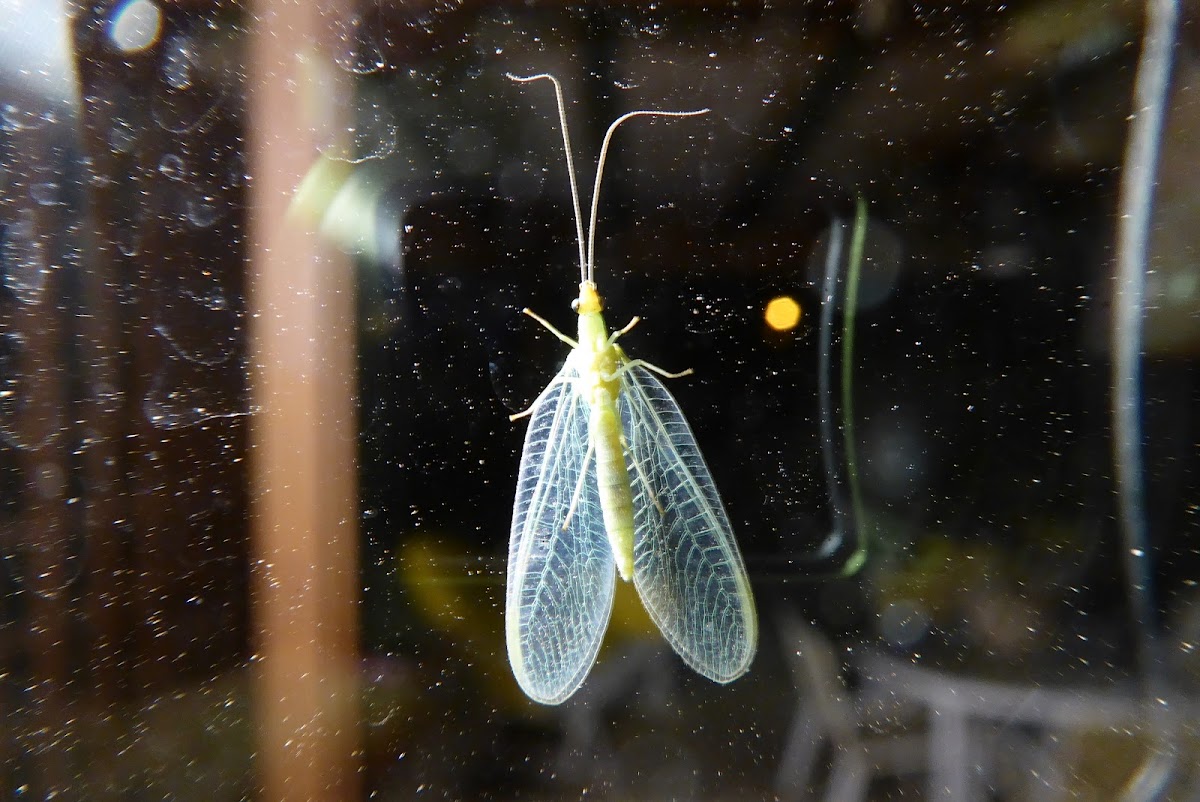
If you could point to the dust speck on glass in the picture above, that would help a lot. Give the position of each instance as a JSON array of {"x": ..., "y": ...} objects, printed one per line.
[{"x": 934, "y": 271}]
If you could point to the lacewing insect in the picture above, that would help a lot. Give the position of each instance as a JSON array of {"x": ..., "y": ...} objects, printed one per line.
[{"x": 612, "y": 482}]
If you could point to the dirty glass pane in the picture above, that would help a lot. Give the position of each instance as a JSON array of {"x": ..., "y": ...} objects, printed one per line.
[{"x": 890, "y": 251}]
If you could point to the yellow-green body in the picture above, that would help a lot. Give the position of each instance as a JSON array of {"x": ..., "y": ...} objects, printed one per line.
[{"x": 599, "y": 360}]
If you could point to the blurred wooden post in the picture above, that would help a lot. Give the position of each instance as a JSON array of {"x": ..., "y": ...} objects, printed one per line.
[{"x": 303, "y": 390}]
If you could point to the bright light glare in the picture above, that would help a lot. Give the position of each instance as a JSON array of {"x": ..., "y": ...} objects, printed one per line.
[
  {"x": 135, "y": 25},
  {"x": 782, "y": 313}
]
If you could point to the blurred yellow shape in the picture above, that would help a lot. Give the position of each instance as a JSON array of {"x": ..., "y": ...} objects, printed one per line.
[{"x": 782, "y": 313}]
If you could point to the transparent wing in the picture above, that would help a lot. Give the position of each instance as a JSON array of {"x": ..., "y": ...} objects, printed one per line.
[
  {"x": 560, "y": 581},
  {"x": 687, "y": 567}
]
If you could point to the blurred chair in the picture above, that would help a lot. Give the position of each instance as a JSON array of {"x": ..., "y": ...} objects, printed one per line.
[
  {"x": 828, "y": 711},
  {"x": 640, "y": 671}
]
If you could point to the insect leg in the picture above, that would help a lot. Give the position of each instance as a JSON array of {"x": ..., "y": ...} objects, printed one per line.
[
  {"x": 587, "y": 456},
  {"x": 551, "y": 328},
  {"x": 665, "y": 374},
  {"x": 523, "y": 413},
  {"x": 613, "y": 337},
  {"x": 528, "y": 410}
]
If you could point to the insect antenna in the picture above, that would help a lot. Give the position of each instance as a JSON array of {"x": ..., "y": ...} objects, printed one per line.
[
  {"x": 587, "y": 262},
  {"x": 591, "y": 247},
  {"x": 562, "y": 119}
]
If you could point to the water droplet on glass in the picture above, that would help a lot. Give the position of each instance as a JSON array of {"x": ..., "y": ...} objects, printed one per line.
[
  {"x": 11, "y": 346},
  {"x": 883, "y": 260},
  {"x": 183, "y": 102},
  {"x": 371, "y": 133},
  {"x": 203, "y": 210},
  {"x": 177, "y": 63},
  {"x": 373, "y": 137},
  {"x": 197, "y": 320},
  {"x": 18, "y": 428},
  {"x": 128, "y": 238},
  {"x": 24, "y": 261},
  {"x": 358, "y": 50},
  {"x": 171, "y": 166},
  {"x": 213, "y": 299},
  {"x": 13, "y": 118},
  {"x": 121, "y": 137},
  {"x": 45, "y": 193},
  {"x": 182, "y": 406},
  {"x": 50, "y": 481}
]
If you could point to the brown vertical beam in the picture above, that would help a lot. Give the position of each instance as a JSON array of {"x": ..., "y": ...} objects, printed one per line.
[{"x": 305, "y": 586}]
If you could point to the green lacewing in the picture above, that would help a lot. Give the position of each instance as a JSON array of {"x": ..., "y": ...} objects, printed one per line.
[{"x": 612, "y": 483}]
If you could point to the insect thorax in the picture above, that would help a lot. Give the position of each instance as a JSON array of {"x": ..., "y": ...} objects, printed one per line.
[{"x": 598, "y": 360}]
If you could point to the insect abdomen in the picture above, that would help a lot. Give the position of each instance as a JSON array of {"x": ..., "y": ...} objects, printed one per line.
[{"x": 612, "y": 477}]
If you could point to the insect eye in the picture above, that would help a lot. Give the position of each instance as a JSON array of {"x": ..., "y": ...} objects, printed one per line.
[{"x": 575, "y": 305}]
